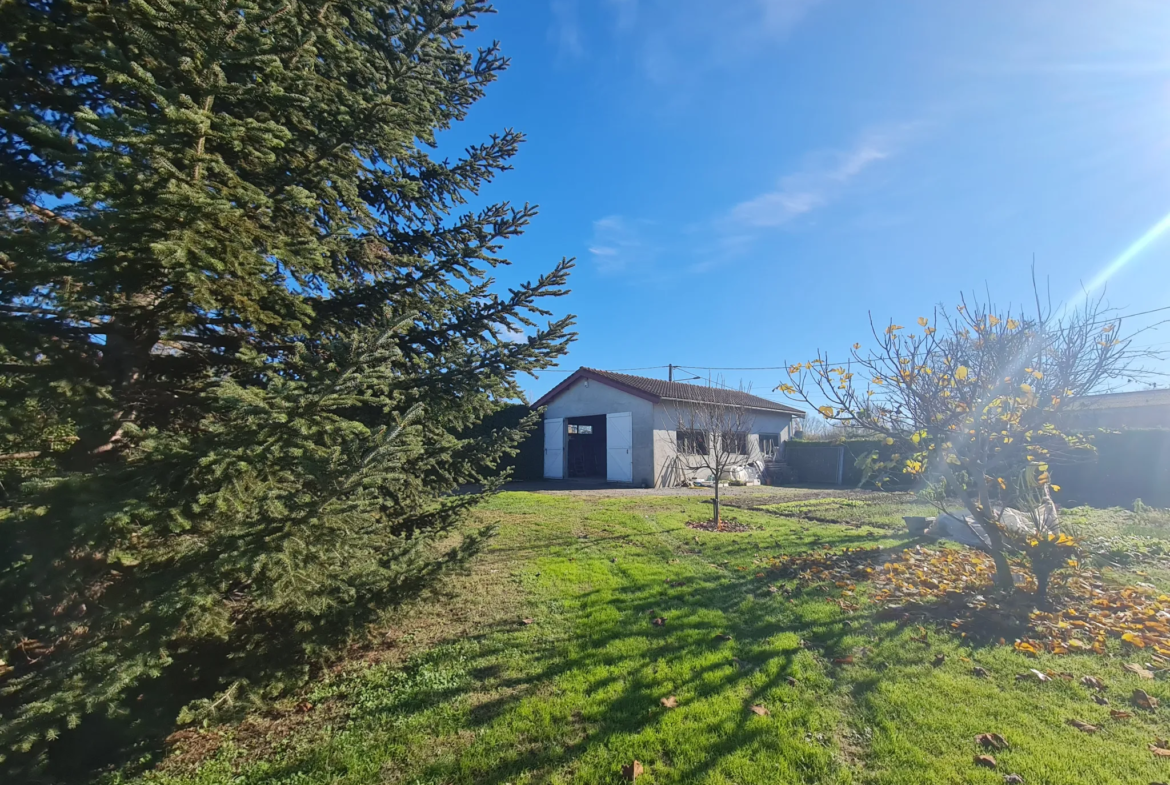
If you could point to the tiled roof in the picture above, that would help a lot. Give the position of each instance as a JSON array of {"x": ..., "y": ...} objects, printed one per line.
[{"x": 661, "y": 389}]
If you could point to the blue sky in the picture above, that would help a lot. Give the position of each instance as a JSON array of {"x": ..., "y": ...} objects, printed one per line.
[{"x": 742, "y": 182}]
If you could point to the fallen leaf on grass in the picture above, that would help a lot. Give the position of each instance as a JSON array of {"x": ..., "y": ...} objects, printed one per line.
[
  {"x": 1093, "y": 683},
  {"x": 939, "y": 659},
  {"x": 1118, "y": 714},
  {"x": 1134, "y": 640},
  {"x": 1013, "y": 779},
  {"x": 658, "y": 622},
  {"x": 760, "y": 710},
  {"x": 670, "y": 702},
  {"x": 992, "y": 741},
  {"x": 722, "y": 637},
  {"x": 1083, "y": 726},
  {"x": 1138, "y": 670},
  {"x": 1101, "y": 700},
  {"x": 986, "y": 761},
  {"x": 633, "y": 771},
  {"x": 527, "y": 621},
  {"x": 980, "y": 672},
  {"x": 1032, "y": 673},
  {"x": 1027, "y": 647},
  {"x": 1143, "y": 700},
  {"x": 846, "y": 660},
  {"x": 1161, "y": 748},
  {"x": 791, "y": 681}
]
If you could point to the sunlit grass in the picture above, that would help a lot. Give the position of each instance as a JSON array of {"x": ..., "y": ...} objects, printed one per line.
[{"x": 575, "y": 694}]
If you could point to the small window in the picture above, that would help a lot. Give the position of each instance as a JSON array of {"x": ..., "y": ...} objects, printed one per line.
[
  {"x": 769, "y": 444},
  {"x": 692, "y": 442},
  {"x": 735, "y": 442},
  {"x": 582, "y": 430}
]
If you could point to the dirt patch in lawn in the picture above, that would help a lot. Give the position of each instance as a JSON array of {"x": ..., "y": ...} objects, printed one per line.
[{"x": 729, "y": 526}]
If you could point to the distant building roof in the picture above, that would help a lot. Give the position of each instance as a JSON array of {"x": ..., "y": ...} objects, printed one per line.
[
  {"x": 1122, "y": 400},
  {"x": 662, "y": 390}
]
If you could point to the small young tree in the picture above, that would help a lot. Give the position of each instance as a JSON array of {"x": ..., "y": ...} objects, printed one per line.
[
  {"x": 970, "y": 403},
  {"x": 713, "y": 436}
]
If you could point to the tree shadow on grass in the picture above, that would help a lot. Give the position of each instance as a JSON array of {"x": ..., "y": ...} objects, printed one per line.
[{"x": 771, "y": 642}]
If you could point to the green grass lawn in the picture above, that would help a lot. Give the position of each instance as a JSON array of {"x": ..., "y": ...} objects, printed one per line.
[{"x": 463, "y": 690}]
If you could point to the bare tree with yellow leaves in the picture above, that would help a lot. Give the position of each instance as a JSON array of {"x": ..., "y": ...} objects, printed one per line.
[{"x": 970, "y": 401}]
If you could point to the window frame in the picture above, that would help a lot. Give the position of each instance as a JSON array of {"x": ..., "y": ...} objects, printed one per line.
[
  {"x": 774, "y": 438},
  {"x": 741, "y": 440},
  {"x": 689, "y": 441}
]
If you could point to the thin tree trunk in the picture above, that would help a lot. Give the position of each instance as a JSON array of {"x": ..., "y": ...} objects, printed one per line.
[
  {"x": 1042, "y": 577},
  {"x": 718, "y": 517}
]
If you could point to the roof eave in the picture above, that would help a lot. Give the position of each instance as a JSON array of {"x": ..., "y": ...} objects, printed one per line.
[
  {"x": 781, "y": 409},
  {"x": 585, "y": 373}
]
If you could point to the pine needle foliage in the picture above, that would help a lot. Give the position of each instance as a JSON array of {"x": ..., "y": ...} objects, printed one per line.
[{"x": 248, "y": 334}]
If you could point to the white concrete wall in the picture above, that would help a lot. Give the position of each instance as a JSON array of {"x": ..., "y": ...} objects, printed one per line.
[
  {"x": 587, "y": 397},
  {"x": 671, "y": 469}
]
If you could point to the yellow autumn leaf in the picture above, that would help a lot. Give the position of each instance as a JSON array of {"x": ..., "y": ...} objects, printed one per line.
[
  {"x": 1012, "y": 324},
  {"x": 961, "y": 372},
  {"x": 889, "y": 440},
  {"x": 856, "y": 346},
  {"x": 1026, "y": 388},
  {"x": 893, "y": 328},
  {"x": 1055, "y": 488},
  {"x": 1133, "y": 640},
  {"x": 923, "y": 321},
  {"x": 826, "y": 411}
]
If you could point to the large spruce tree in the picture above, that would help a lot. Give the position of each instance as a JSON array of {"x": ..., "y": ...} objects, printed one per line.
[{"x": 247, "y": 334}]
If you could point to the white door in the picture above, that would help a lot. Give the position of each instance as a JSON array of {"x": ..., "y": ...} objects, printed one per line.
[
  {"x": 619, "y": 463},
  {"x": 554, "y": 448}
]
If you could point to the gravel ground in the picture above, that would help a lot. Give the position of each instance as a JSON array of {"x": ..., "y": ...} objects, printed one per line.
[{"x": 751, "y": 494}]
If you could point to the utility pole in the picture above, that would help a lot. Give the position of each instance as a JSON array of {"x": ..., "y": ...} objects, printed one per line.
[{"x": 670, "y": 373}]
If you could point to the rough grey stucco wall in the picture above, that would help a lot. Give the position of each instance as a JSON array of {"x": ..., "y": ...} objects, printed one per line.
[
  {"x": 590, "y": 397},
  {"x": 670, "y": 468}
]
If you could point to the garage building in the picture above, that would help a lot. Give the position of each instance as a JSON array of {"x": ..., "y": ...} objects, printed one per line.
[{"x": 626, "y": 429}]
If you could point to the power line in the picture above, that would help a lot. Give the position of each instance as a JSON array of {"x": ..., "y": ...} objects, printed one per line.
[{"x": 613, "y": 370}]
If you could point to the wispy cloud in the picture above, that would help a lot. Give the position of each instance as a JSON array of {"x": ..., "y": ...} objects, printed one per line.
[
  {"x": 626, "y": 246},
  {"x": 618, "y": 245},
  {"x": 625, "y": 13},
  {"x": 825, "y": 177},
  {"x": 565, "y": 31},
  {"x": 674, "y": 39},
  {"x": 512, "y": 334}
]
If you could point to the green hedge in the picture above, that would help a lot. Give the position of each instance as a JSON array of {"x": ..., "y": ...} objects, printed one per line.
[{"x": 528, "y": 463}]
